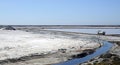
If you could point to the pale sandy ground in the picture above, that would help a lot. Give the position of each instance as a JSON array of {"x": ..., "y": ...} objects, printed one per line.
[{"x": 16, "y": 44}]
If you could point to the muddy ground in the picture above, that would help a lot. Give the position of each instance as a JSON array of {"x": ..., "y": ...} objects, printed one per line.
[{"x": 112, "y": 57}]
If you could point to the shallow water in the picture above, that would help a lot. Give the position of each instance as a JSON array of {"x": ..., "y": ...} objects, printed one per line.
[
  {"x": 106, "y": 46},
  {"x": 94, "y": 31}
]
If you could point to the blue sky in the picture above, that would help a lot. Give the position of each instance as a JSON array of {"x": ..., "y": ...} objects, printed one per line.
[{"x": 59, "y": 12}]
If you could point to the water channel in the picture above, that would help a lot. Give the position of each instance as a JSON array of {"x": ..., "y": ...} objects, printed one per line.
[{"x": 106, "y": 46}]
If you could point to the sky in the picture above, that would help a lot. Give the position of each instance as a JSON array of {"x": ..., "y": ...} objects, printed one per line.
[{"x": 59, "y": 12}]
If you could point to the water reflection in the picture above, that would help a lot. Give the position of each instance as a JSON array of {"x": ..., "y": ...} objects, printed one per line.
[{"x": 94, "y": 31}]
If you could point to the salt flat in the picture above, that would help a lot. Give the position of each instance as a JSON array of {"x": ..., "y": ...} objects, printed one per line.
[{"x": 16, "y": 44}]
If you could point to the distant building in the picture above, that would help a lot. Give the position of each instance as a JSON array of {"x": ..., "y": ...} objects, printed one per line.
[{"x": 101, "y": 32}]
